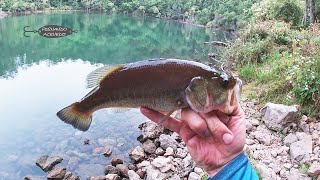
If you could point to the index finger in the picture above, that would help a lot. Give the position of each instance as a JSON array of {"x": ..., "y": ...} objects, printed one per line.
[{"x": 171, "y": 123}]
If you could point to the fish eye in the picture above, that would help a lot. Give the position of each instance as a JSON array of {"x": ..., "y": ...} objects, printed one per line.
[{"x": 224, "y": 83}]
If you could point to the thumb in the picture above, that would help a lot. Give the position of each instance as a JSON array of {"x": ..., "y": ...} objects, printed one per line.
[{"x": 217, "y": 128}]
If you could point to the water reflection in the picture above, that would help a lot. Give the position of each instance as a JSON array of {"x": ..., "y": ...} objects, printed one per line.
[{"x": 29, "y": 127}]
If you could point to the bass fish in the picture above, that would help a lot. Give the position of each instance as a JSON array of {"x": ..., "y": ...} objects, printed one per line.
[{"x": 164, "y": 85}]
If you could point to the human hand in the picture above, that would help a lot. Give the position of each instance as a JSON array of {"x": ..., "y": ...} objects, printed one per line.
[{"x": 213, "y": 139}]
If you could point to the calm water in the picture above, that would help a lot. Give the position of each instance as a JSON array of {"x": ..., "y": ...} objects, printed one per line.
[{"x": 39, "y": 76}]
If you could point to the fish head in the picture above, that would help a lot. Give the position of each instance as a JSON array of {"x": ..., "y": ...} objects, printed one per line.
[{"x": 216, "y": 93}]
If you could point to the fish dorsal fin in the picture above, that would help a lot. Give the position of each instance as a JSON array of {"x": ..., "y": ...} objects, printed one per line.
[{"x": 95, "y": 77}]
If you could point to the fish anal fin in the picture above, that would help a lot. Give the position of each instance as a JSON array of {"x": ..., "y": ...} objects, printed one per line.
[{"x": 96, "y": 76}]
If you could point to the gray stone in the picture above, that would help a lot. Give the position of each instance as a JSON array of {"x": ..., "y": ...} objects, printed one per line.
[
  {"x": 278, "y": 116},
  {"x": 249, "y": 126},
  {"x": 168, "y": 141},
  {"x": 112, "y": 177},
  {"x": 193, "y": 176},
  {"x": 149, "y": 147},
  {"x": 263, "y": 135},
  {"x": 106, "y": 152},
  {"x": 289, "y": 139},
  {"x": 198, "y": 170},
  {"x": 169, "y": 152},
  {"x": 314, "y": 169},
  {"x": 133, "y": 175},
  {"x": 137, "y": 154},
  {"x": 181, "y": 153},
  {"x": 111, "y": 170},
  {"x": 162, "y": 163},
  {"x": 123, "y": 170},
  {"x": 265, "y": 172},
  {"x": 57, "y": 173},
  {"x": 46, "y": 163},
  {"x": 71, "y": 176},
  {"x": 298, "y": 151},
  {"x": 159, "y": 151},
  {"x": 151, "y": 130},
  {"x": 154, "y": 174}
]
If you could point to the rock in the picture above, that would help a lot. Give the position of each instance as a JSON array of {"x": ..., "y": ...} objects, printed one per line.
[
  {"x": 57, "y": 173},
  {"x": 70, "y": 176},
  {"x": 289, "y": 139},
  {"x": 193, "y": 176},
  {"x": 141, "y": 173},
  {"x": 97, "y": 178},
  {"x": 278, "y": 116},
  {"x": 107, "y": 152},
  {"x": 76, "y": 153},
  {"x": 137, "y": 154},
  {"x": 314, "y": 169},
  {"x": 168, "y": 141},
  {"x": 151, "y": 130},
  {"x": 249, "y": 126},
  {"x": 265, "y": 172},
  {"x": 116, "y": 160},
  {"x": 46, "y": 163},
  {"x": 301, "y": 149},
  {"x": 143, "y": 164},
  {"x": 123, "y": 170},
  {"x": 132, "y": 167},
  {"x": 181, "y": 153},
  {"x": 198, "y": 170},
  {"x": 294, "y": 174},
  {"x": 263, "y": 135},
  {"x": 162, "y": 163},
  {"x": 154, "y": 174},
  {"x": 111, "y": 170},
  {"x": 133, "y": 175},
  {"x": 149, "y": 147},
  {"x": 159, "y": 151},
  {"x": 175, "y": 136},
  {"x": 112, "y": 177},
  {"x": 169, "y": 152}
]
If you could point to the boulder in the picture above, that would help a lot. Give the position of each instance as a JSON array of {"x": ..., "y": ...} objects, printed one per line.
[
  {"x": 149, "y": 147},
  {"x": 151, "y": 130},
  {"x": 123, "y": 170},
  {"x": 133, "y": 175},
  {"x": 57, "y": 173},
  {"x": 137, "y": 154},
  {"x": 278, "y": 116},
  {"x": 46, "y": 163}
]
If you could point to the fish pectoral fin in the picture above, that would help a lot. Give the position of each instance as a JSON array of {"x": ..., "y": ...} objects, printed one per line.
[
  {"x": 120, "y": 110},
  {"x": 95, "y": 77},
  {"x": 77, "y": 119},
  {"x": 167, "y": 116}
]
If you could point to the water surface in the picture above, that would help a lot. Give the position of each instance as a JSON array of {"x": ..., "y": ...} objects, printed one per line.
[{"x": 39, "y": 76}]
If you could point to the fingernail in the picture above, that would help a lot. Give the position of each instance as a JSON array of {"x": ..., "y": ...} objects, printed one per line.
[{"x": 227, "y": 138}]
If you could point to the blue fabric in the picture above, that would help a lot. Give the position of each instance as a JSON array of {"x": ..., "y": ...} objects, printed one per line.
[{"x": 238, "y": 168}]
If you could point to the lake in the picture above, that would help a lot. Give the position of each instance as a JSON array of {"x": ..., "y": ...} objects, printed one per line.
[{"x": 39, "y": 76}]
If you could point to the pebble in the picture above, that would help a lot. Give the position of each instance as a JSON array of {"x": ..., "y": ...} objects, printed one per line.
[
  {"x": 123, "y": 170},
  {"x": 57, "y": 173},
  {"x": 193, "y": 176},
  {"x": 133, "y": 175},
  {"x": 198, "y": 170},
  {"x": 169, "y": 152},
  {"x": 46, "y": 163},
  {"x": 116, "y": 160}
]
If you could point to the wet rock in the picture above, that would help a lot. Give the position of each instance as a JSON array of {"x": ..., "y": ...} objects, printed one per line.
[
  {"x": 168, "y": 141},
  {"x": 151, "y": 130},
  {"x": 116, "y": 160},
  {"x": 123, "y": 170},
  {"x": 112, "y": 177},
  {"x": 133, "y": 175},
  {"x": 137, "y": 154},
  {"x": 169, "y": 152},
  {"x": 263, "y": 135},
  {"x": 149, "y": 147},
  {"x": 107, "y": 152},
  {"x": 314, "y": 169},
  {"x": 278, "y": 116},
  {"x": 159, "y": 151},
  {"x": 289, "y": 139},
  {"x": 162, "y": 163},
  {"x": 193, "y": 176},
  {"x": 57, "y": 173},
  {"x": 111, "y": 170},
  {"x": 46, "y": 163},
  {"x": 71, "y": 176}
]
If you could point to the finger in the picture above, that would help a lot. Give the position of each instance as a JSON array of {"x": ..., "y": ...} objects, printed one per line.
[
  {"x": 195, "y": 122},
  {"x": 170, "y": 123},
  {"x": 217, "y": 128}
]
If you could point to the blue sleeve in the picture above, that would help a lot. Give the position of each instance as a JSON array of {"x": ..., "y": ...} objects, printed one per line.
[{"x": 238, "y": 168}]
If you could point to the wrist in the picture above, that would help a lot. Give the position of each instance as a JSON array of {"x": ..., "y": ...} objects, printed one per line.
[{"x": 214, "y": 170}]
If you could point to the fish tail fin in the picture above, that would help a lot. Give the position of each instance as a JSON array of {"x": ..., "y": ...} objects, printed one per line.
[{"x": 78, "y": 120}]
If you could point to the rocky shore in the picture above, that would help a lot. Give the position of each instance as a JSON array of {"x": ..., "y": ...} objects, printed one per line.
[
  {"x": 3, "y": 14},
  {"x": 280, "y": 144}
]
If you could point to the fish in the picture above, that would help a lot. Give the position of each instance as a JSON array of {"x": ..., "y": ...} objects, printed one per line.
[{"x": 164, "y": 85}]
